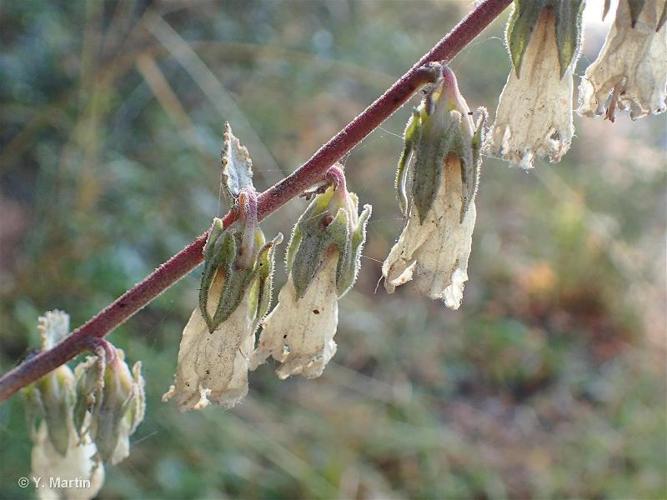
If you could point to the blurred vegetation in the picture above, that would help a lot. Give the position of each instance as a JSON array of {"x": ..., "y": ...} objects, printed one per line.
[{"x": 550, "y": 382}]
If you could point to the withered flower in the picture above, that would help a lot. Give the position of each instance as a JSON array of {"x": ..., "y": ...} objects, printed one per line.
[
  {"x": 534, "y": 115},
  {"x": 58, "y": 451},
  {"x": 110, "y": 401},
  {"x": 235, "y": 295},
  {"x": 323, "y": 261},
  {"x": 442, "y": 145},
  {"x": 630, "y": 71}
]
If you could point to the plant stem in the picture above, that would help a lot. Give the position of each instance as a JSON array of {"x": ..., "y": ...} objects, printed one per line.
[{"x": 269, "y": 201}]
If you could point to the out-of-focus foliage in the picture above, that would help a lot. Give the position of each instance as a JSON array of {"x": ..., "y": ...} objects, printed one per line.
[{"x": 549, "y": 381}]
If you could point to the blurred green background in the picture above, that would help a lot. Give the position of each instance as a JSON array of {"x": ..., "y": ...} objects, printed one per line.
[{"x": 549, "y": 382}]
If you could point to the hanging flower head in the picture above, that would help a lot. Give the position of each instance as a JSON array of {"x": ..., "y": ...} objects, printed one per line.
[
  {"x": 110, "y": 401},
  {"x": 442, "y": 145},
  {"x": 631, "y": 70},
  {"x": 235, "y": 294},
  {"x": 534, "y": 115},
  {"x": 58, "y": 451},
  {"x": 323, "y": 261}
]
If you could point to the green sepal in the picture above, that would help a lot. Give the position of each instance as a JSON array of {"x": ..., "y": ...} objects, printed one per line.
[
  {"x": 315, "y": 210},
  {"x": 346, "y": 274},
  {"x": 294, "y": 243},
  {"x": 520, "y": 28},
  {"x": 262, "y": 286},
  {"x": 108, "y": 414},
  {"x": 236, "y": 173},
  {"x": 219, "y": 255},
  {"x": 471, "y": 162},
  {"x": 636, "y": 7},
  {"x": 568, "y": 31},
  {"x": 79, "y": 414},
  {"x": 440, "y": 135},
  {"x": 410, "y": 138},
  {"x": 235, "y": 284},
  {"x": 57, "y": 396},
  {"x": 342, "y": 233},
  {"x": 317, "y": 240},
  {"x": 34, "y": 409},
  {"x": 222, "y": 254}
]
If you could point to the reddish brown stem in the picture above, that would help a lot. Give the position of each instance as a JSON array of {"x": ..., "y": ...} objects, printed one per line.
[{"x": 269, "y": 201}]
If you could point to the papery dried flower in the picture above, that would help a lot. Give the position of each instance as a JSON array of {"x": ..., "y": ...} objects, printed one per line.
[
  {"x": 434, "y": 253},
  {"x": 299, "y": 332},
  {"x": 113, "y": 400},
  {"x": 630, "y": 71},
  {"x": 442, "y": 145},
  {"x": 59, "y": 454},
  {"x": 65, "y": 476},
  {"x": 534, "y": 115},
  {"x": 323, "y": 262}
]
